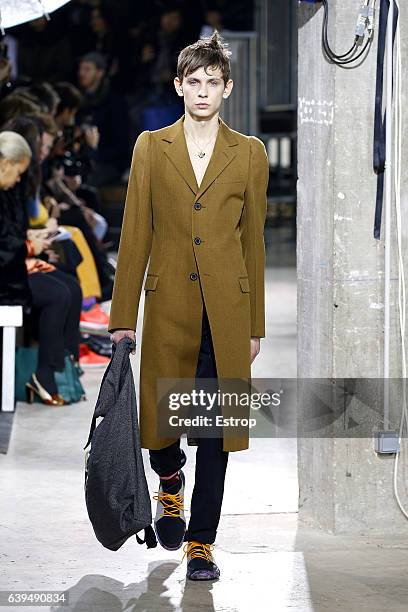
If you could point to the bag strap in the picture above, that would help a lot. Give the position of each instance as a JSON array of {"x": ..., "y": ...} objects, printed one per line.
[
  {"x": 150, "y": 538},
  {"x": 93, "y": 423},
  {"x": 130, "y": 345}
]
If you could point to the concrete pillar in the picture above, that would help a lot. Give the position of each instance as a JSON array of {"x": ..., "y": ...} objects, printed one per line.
[{"x": 345, "y": 487}]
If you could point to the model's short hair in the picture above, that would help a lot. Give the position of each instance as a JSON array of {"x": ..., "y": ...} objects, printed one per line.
[{"x": 209, "y": 52}]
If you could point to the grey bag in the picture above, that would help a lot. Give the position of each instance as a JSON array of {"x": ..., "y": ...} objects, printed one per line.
[{"x": 116, "y": 492}]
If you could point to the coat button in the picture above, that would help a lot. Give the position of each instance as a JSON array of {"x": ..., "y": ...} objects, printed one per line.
[
  {"x": 197, "y": 240},
  {"x": 193, "y": 276},
  {"x": 197, "y": 206}
]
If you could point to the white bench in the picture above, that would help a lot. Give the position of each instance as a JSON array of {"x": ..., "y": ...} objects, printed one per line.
[{"x": 10, "y": 318}]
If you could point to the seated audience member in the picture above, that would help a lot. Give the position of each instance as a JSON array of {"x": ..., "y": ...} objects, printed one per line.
[
  {"x": 42, "y": 94},
  {"x": 70, "y": 100},
  {"x": 57, "y": 302},
  {"x": 15, "y": 105},
  {"x": 77, "y": 145},
  {"x": 45, "y": 211},
  {"x": 46, "y": 94},
  {"x": 28, "y": 129},
  {"x": 74, "y": 212},
  {"x": 55, "y": 296},
  {"x": 15, "y": 156}
]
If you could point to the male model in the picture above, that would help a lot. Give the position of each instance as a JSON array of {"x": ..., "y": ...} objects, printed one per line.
[{"x": 196, "y": 205}]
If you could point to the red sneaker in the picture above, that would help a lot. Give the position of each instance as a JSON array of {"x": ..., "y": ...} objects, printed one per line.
[
  {"x": 89, "y": 359},
  {"x": 94, "y": 320}
]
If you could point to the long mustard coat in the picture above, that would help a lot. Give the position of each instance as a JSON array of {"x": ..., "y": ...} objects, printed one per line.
[{"x": 205, "y": 244}]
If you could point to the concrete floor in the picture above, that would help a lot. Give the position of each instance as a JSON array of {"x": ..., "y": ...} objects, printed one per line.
[{"x": 268, "y": 561}]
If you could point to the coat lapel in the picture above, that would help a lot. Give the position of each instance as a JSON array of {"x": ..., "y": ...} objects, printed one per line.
[
  {"x": 177, "y": 152},
  {"x": 222, "y": 155}
]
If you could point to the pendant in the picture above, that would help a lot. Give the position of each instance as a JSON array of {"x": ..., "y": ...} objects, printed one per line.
[{"x": 201, "y": 154}]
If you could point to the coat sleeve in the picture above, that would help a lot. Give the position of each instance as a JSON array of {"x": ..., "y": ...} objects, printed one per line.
[
  {"x": 135, "y": 241},
  {"x": 252, "y": 232}
]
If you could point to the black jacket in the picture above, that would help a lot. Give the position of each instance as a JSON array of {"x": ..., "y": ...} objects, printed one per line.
[
  {"x": 109, "y": 112},
  {"x": 14, "y": 289}
]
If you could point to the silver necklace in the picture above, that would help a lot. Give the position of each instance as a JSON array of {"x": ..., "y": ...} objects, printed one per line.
[{"x": 201, "y": 152}]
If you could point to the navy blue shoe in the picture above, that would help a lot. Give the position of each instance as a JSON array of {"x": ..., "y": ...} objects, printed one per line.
[
  {"x": 200, "y": 562},
  {"x": 170, "y": 522}
]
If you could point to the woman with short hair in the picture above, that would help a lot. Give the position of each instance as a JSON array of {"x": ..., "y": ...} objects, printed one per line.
[{"x": 15, "y": 157}]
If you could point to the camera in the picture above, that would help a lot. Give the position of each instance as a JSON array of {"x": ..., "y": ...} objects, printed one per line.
[{"x": 73, "y": 166}]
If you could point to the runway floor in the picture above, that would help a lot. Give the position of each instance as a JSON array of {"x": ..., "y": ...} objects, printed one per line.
[{"x": 267, "y": 562}]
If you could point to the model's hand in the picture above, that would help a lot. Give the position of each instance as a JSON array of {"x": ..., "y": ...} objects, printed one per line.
[
  {"x": 123, "y": 333},
  {"x": 255, "y": 347}
]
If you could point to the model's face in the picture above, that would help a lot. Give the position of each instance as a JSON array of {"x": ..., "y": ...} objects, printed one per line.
[
  {"x": 10, "y": 172},
  {"x": 203, "y": 92}
]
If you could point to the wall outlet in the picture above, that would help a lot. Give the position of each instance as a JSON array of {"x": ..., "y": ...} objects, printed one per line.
[{"x": 386, "y": 442}]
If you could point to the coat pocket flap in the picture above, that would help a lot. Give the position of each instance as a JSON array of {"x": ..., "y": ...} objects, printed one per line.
[
  {"x": 151, "y": 282},
  {"x": 244, "y": 282},
  {"x": 230, "y": 181}
]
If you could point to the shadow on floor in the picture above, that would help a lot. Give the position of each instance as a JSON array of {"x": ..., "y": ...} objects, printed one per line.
[{"x": 97, "y": 593}]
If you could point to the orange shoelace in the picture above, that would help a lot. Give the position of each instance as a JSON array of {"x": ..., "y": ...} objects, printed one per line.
[
  {"x": 172, "y": 503},
  {"x": 195, "y": 550}
]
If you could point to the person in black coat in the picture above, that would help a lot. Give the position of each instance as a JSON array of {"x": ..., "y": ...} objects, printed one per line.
[
  {"x": 15, "y": 156},
  {"x": 107, "y": 110}
]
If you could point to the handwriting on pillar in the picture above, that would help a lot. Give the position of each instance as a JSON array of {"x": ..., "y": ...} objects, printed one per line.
[{"x": 320, "y": 112}]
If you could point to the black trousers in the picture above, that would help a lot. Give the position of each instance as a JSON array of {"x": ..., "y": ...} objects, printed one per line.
[
  {"x": 57, "y": 298},
  {"x": 211, "y": 460}
]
